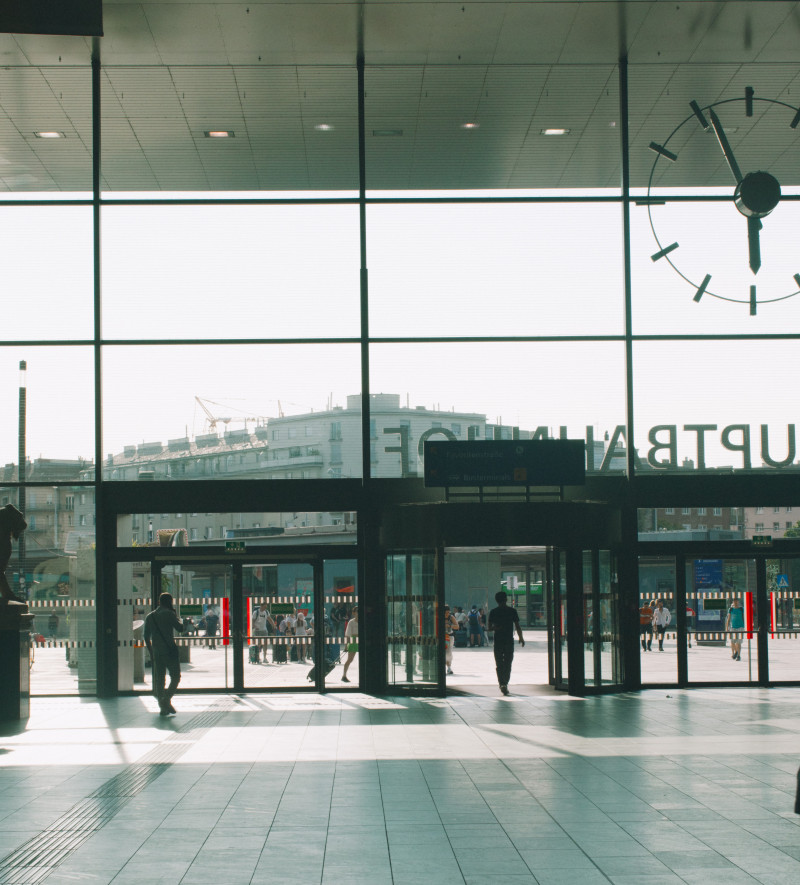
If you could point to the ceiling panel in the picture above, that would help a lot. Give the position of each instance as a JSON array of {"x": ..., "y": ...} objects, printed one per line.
[{"x": 273, "y": 71}]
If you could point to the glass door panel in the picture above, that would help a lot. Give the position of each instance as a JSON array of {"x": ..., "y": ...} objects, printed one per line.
[
  {"x": 608, "y": 608},
  {"x": 563, "y": 645},
  {"x": 413, "y": 596},
  {"x": 278, "y": 600},
  {"x": 658, "y": 649},
  {"x": 134, "y": 601},
  {"x": 783, "y": 589},
  {"x": 554, "y": 619},
  {"x": 202, "y": 594},
  {"x": 339, "y": 642},
  {"x": 721, "y": 596},
  {"x": 588, "y": 588},
  {"x": 601, "y": 652}
]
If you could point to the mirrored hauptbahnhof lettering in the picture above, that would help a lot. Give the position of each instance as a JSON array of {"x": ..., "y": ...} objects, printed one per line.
[{"x": 253, "y": 264}]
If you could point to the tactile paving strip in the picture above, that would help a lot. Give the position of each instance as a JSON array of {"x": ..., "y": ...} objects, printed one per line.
[{"x": 37, "y": 858}]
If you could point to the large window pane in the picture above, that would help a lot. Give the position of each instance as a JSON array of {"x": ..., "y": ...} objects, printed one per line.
[
  {"x": 59, "y": 406},
  {"x": 56, "y": 557},
  {"x": 495, "y": 269},
  {"x": 493, "y": 391},
  {"x": 157, "y": 125},
  {"x": 227, "y": 412},
  {"x": 743, "y": 423},
  {"x": 46, "y": 127},
  {"x": 47, "y": 283},
  {"x": 712, "y": 238},
  {"x": 230, "y": 271}
]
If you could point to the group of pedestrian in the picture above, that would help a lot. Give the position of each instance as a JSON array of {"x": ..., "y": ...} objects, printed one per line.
[
  {"x": 476, "y": 623},
  {"x": 654, "y": 618}
]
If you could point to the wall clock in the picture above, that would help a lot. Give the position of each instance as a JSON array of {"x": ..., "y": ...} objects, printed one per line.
[{"x": 755, "y": 192}]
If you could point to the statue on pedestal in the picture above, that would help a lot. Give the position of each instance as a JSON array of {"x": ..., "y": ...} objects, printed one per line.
[{"x": 12, "y": 525}]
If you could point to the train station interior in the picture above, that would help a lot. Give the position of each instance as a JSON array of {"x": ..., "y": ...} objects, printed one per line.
[{"x": 268, "y": 266}]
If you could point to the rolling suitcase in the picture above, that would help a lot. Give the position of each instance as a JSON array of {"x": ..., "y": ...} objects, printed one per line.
[{"x": 255, "y": 654}]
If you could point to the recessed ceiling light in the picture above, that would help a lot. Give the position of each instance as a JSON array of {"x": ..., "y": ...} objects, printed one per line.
[
  {"x": 387, "y": 133},
  {"x": 555, "y": 131},
  {"x": 324, "y": 127},
  {"x": 49, "y": 134},
  {"x": 219, "y": 133},
  {"x": 470, "y": 125}
]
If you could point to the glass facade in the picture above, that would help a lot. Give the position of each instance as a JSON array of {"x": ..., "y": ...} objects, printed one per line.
[{"x": 257, "y": 277}]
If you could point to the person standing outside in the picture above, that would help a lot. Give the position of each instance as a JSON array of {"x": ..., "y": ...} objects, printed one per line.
[
  {"x": 661, "y": 619},
  {"x": 159, "y": 637},
  {"x": 212, "y": 625},
  {"x": 263, "y": 625},
  {"x": 474, "y": 622},
  {"x": 450, "y": 624},
  {"x": 350, "y": 642},
  {"x": 337, "y": 617},
  {"x": 646, "y": 625},
  {"x": 734, "y": 622},
  {"x": 503, "y": 620}
]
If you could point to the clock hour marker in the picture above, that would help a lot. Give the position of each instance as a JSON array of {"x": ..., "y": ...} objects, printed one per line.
[
  {"x": 702, "y": 287},
  {"x": 665, "y": 251},
  {"x": 659, "y": 149},
  {"x": 748, "y": 101},
  {"x": 699, "y": 114},
  {"x": 753, "y": 301}
]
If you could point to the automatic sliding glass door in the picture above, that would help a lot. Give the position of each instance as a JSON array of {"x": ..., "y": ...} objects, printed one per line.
[
  {"x": 278, "y": 625},
  {"x": 414, "y": 611}
]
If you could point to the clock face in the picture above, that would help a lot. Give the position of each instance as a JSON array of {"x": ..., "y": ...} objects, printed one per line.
[{"x": 736, "y": 246}]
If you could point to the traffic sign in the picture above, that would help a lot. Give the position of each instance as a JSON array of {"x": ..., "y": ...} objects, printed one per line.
[{"x": 782, "y": 581}]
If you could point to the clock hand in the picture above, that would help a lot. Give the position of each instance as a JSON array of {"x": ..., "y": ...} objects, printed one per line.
[
  {"x": 759, "y": 189},
  {"x": 722, "y": 138},
  {"x": 754, "y": 244}
]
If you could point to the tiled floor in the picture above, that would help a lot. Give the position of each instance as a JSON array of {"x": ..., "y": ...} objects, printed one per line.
[{"x": 658, "y": 787}]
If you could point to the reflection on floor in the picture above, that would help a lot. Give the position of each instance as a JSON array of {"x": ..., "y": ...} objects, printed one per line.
[{"x": 662, "y": 786}]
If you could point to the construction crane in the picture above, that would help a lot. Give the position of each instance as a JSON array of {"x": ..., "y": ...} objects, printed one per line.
[{"x": 212, "y": 420}]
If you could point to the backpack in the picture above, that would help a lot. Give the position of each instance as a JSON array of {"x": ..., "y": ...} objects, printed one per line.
[{"x": 473, "y": 618}]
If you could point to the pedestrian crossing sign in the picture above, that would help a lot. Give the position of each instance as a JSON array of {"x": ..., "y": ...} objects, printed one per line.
[{"x": 782, "y": 581}]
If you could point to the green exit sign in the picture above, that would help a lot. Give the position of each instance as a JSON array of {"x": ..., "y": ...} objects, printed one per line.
[
  {"x": 235, "y": 546},
  {"x": 762, "y": 540}
]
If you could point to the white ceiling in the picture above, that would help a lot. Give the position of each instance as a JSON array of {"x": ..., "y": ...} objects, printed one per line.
[{"x": 273, "y": 71}]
